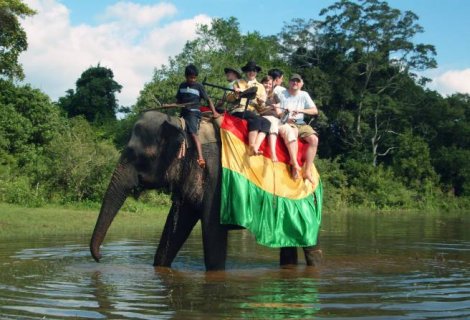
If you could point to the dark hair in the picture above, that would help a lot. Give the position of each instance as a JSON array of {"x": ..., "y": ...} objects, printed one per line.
[
  {"x": 275, "y": 73},
  {"x": 191, "y": 70},
  {"x": 266, "y": 79}
]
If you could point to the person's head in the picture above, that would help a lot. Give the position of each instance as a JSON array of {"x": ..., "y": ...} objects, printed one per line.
[
  {"x": 267, "y": 82},
  {"x": 277, "y": 75},
  {"x": 232, "y": 74},
  {"x": 191, "y": 73},
  {"x": 251, "y": 70},
  {"x": 295, "y": 83}
]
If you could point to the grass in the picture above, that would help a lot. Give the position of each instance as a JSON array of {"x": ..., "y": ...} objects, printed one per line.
[{"x": 21, "y": 222}]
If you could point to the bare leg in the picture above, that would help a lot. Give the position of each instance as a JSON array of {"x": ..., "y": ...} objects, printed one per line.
[
  {"x": 251, "y": 142},
  {"x": 272, "y": 146},
  {"x": 312, "y": 141},
  {"x": 200, "y": 158},
  {"x": 289, "y": 135},
  {"x": 254, "y": 148}
]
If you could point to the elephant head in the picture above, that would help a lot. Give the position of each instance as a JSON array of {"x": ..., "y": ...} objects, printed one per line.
[{"x": 149, "y": 161}]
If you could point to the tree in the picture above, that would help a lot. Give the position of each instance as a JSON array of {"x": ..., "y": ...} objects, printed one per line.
[
  {"x": 94, "y": 97},
  {"x": 13, "y": 38},
  {"x": 217, "y": 46},
  {"x": 365, "y": 51}
]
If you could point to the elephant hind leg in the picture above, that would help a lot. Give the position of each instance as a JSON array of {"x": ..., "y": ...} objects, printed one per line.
[
  {"x": 313, "y": 256},
  {"x": 288, "y": 255},
  {"x": 179, "y": 224}
]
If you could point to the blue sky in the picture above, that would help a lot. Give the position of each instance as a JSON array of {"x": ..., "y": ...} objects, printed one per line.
[{"x": 132, "y": 37}]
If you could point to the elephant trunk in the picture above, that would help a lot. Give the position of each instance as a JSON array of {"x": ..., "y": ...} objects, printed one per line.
[{"x": 123, "y": 180}]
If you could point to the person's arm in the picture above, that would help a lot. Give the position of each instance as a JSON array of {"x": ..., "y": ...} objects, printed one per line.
[
  {"x": 309, "y": 108},
  {"x": 209, "y": 100},
  {"x": 312, "y": 111},
  {"x": 214, "y": 112}
]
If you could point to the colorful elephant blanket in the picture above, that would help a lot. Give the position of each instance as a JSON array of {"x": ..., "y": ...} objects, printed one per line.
[{"x": 261, "y": 195}]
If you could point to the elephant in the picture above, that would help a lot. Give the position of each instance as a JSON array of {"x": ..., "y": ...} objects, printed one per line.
[{"x": 150, "y": 161}]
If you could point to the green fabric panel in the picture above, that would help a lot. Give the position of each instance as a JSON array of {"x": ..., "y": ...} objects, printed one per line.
[{"x": 275, "y": 221}]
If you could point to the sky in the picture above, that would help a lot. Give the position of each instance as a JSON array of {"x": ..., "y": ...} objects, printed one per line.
[{"x": 134, "y": 37}]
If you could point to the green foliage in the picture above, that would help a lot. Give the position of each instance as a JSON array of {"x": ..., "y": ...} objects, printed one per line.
[
  {"x": 454, "y": 167},
  {"x": 385, "y": 141},
  {"x": 335, "y": 183},
  {"x": 20, "y": 191},
  {"x": 376, "y": 187},
  {"x": 13, "y": 39},
  {"x": 94, "y": 97},
  {"x": 79, "y": 166},
  {"x": 362, "y": 53},
  {"x": 412, "y": 162},
  {"x": 218, "y": 46},
  {"x": 28, "y": 121}
]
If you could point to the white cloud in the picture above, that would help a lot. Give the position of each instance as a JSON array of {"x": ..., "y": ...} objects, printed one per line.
[
  {"x": 141, "y": 15},
  {"x": 130, "y": 42},
  {"x": 452, "y": 81}
]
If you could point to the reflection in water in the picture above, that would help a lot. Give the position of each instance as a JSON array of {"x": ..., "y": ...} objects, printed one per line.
[{"x": 389, "y": 267}]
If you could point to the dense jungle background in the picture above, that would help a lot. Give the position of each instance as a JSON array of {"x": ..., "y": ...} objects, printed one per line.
[{"x": 386, "y": 141}]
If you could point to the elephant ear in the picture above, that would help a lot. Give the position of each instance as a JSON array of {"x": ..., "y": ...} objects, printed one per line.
[{"x": 171, "y": 139}]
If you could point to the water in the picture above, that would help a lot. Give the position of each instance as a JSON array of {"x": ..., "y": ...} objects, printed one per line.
[{"x": 394, "y": 266}]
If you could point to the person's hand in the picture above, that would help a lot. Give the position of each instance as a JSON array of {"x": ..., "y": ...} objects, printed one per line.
[{"x": 296, "y": 112}]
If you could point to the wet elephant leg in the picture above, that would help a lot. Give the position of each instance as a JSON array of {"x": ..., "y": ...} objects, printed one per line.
[
  {"x": 214, "y": 235},
  {"x": 178, "y": 226},
  {"x": 313, "y": 255},
  {"x": 288, "y": 255}
]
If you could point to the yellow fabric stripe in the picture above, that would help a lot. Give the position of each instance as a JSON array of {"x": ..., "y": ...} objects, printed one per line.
[{"x": 272, "y": 177}]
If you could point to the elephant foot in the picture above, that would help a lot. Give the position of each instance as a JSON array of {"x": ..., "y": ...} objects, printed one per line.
[{"x": 313, "y": 258}]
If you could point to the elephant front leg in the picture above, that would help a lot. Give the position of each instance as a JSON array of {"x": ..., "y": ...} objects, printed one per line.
[
  {"x": 214, "y": 236},
  {"x": 178, "y": 226}
]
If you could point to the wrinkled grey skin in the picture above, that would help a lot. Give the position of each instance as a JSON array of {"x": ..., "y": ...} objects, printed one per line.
[{"x": 150, "y": 162}]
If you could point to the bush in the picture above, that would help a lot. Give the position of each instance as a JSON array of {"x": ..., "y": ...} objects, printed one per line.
[
  {"x": 19, "y": 191},
  {"x": 335, "y": 184},
  {"x": 79, "y": 166},
  {"x": 376, "y": 187}
]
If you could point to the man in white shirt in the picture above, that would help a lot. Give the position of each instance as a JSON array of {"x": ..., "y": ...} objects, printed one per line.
[{"x": 298, "y": 103}]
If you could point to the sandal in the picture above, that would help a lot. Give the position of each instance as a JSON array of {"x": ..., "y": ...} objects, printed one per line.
[{"x": 201, "y": 163}]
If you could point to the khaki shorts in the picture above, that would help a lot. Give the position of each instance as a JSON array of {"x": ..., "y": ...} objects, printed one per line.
[{"x": 305, "y": 131}]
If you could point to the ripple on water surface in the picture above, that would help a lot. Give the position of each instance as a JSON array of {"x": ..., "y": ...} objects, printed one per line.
[{"x": 420, "y": 278}]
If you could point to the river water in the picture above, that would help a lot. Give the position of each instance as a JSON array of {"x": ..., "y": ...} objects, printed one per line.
[{"x": 385, "y": 266}]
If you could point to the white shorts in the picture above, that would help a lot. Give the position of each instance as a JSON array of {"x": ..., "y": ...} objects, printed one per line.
[
  {"x": 274, "y": 124},
  {"x": 288, "y": 132}
]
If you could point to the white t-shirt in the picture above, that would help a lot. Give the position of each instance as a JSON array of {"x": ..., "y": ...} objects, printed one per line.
[
  {"x": 300, "y": 101},
  {"x": 278, "y": 90}
]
